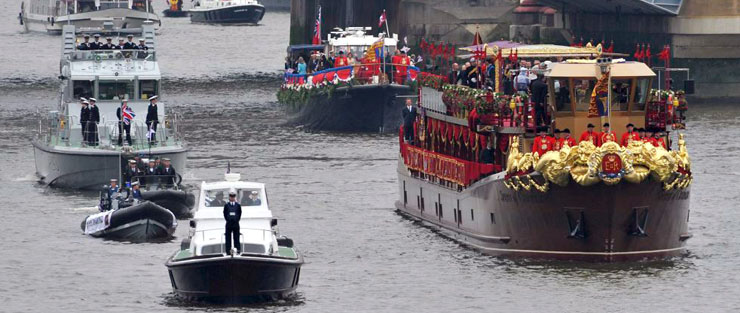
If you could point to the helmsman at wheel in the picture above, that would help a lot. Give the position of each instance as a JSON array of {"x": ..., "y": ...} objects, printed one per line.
[
  {"x": 152, "y": 119},
  {"x": 232, "y": 215}
]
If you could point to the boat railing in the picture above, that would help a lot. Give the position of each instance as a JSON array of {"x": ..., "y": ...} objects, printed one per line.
[
  {"x": 159, "y": 182},
  {"x": 123, "y": 55},
  {"x": 372, "y": 73},
  {"x": 266, "y": 233},
  {"x": 56, "y": 129}
]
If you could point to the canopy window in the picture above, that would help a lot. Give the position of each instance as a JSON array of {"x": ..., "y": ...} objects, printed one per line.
[
  {"x": 621, "y": 89},
  {"x": 82, "y": 88},
  {"x": 582, "y": 89},
  {"x": 641, "y": 93},
  {"x": 561, "y": 91}
]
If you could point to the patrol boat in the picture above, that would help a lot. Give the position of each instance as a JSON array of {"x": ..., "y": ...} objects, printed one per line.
[
  {"x": 357, "y": 97},
  {"x": 268, "y": 266},
  {"x": 129, "y": 220},
  {"x": 603, "y": 203},
  {"x": 63, "y": 156},
  {"x": 227, "y": 12},
  {"x": 50, "y": 15}
]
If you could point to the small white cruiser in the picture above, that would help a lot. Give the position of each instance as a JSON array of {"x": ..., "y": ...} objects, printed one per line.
[
  {"x": 268, "y": 266},
  {"x": 50, "y": 15}
]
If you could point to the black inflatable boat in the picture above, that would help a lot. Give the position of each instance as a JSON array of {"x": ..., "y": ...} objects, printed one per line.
[{"x": 141, "y": 222}]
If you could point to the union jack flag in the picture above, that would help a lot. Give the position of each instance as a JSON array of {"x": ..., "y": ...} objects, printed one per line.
[{"x": 127, "y": 114}]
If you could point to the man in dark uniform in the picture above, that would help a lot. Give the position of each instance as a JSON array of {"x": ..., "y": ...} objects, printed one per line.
[
  {"x": 232, "y": 215},
  {"x": 132, "y": 173},
  {"x": 121, "y": 45},
  {"x": 409, "y": 116},
  {"x": 487, "y": 154},
  {"x": 85, "y": 45},
  {"x": 539, "y": 97},
  {"x": 123, "y": 127},
  {"x": 92, "y": 129},
  {"x": 84, "y": 118},
  {"x": 108, "y": 45},
  {"x": 130, "y": 44},
  {"x": 96, "y": 44},
  {"x": 152, "y": 118},
  {"x": 135, "y": 192},
  {"x": 143, "y": 48},
  {"x": 150, "y": 173},
  {"x": 253, "y": 200},
  {"x": 167, "y": 171}
]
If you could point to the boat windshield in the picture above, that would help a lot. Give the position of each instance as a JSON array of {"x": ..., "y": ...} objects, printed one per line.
[
  {"x": 116, "y": 90},
  {"x": 246, "y": 197}
]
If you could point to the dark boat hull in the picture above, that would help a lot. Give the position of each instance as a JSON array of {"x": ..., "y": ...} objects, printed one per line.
[
  {"x": 363, "y": 108},
  {"x": 178, "y": 202},
  {"x": 175, "y": 13},
  {"x": 238, "y": 279},
  {"x": 499, "y": 221},
  {"x": 242, "y": 14},
  {"x": 139, "y": 223}
]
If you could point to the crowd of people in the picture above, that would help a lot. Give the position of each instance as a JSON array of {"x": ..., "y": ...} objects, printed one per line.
[
  {"x": 394, "y": 65},
  {"x": 109, "y": 45},
  {"x": 543, "y": 142},
  {"x": 154, "y": 172}
]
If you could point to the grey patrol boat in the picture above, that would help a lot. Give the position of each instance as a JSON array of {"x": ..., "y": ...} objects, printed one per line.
[{"x": 64, "y": 158}]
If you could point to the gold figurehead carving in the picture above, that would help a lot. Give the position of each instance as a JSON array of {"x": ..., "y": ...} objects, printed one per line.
[{"x": 611, "y": 163}]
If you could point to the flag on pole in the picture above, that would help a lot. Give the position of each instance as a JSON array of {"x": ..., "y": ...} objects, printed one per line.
[
  {"x": 382, "y": 19},
  {"x": 317, "y": 29},
  {"x": 150, "y": 133},
  {"x": 127, "y": 114}
]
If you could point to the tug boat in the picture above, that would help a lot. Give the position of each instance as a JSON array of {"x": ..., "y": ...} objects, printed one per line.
[
  {"x": 227, "y": 12},
  {"x": 50, "y": 15},
  {"x": 63, "y": 156},
  {"x": 602, "y": 203},
  {"x": 268, "y": 266},
  {"x": 348, "y": 98},
  {"x": 131, "y": 221}
]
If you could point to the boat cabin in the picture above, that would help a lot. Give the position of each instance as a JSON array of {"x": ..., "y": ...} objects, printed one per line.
[
  {"x": 570, "y": 85},
  {"x": 256, "y": 224},
  {"x": 356, "y": 40}
]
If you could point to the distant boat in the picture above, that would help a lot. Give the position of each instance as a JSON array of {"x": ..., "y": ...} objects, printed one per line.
[
  {"x": 175, "y": 9},
  {"x": 50, "y": 15},
  {"x": 227, "y": 12}
]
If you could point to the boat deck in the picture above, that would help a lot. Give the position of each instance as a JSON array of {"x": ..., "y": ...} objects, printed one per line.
[{"x": 283, "y": 252}]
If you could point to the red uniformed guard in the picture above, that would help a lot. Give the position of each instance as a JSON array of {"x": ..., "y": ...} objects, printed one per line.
[
  {"x": 558, "y": 140},
  {"x": 402, "y": 68},
  {"x": 607, "y": 135},
  {"x": 630, "y": 135},
  {"x": 657, "y": 140},
  {"x": 341, "y": 60},
  {"x": 643, "y": 138},
  {"x": 591, "y": 135},
  {"x": 543, "y": 142},
  {"x": 567, "y": 139}
]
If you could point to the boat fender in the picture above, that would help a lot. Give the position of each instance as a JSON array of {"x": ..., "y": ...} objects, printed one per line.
[
  {"x": 185, "y": 244},
  {"x": 273, "y": 222},
  {"x": 192, "y": 223},
  {"x": 20, "y": 17},
  {"x": 285, "y": 242}
]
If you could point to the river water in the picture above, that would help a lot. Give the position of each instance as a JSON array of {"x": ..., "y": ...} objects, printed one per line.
[{"x": 335, "y": 193}]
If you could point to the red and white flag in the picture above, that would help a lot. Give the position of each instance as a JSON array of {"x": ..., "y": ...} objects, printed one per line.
[
  {"x": 382, "y": 19},
  {"x": 317, "y": 29}
]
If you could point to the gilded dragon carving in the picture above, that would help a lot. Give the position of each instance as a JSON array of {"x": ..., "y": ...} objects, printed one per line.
[{"x": 610, "y": 163}]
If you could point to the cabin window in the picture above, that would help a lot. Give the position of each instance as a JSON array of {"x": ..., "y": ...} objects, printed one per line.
[
  {"x": 110, "y": 4},
  {"x": 116, "y": 90},
  {"x": 148, "y": 88},
  {"x": 246, "y": 197},
  {"x": 641, "y": 93},
  {"x": 621, "y": 94},
  {"x": 561, "y": 88},
  {"x": 82, "y": 88},
  {"x": 582, "y": 89}
]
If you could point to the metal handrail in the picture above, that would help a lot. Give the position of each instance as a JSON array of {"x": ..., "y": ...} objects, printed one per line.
[
  {"x": 113, "y": 54},
  {"x": 223, "y": 235}
]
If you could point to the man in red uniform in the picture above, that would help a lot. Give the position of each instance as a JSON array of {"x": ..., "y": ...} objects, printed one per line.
[
  {"x": 630, "y": 135},
  {"x": 643, "y": 138},
  {"x": 590, "y": 135},
  {"x": 543, "y": 142},
  {"x": 402, "y": 69},
  {"x": 567, "y": 139},
  {"x": 341, "y": 60},
  {"x": 558, "y": 140},
  {"x": 607, "y": 135},
  {"x": 657, "y": 140}
]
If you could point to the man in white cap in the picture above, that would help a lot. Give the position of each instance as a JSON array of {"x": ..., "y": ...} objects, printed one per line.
[
  {"x": 143, "y": 48},
  {"x": 85, "y": 45},
  {"x": 135, "y": 192},
  {"x": 84, "y": 118},
  {"x": 108, "y": 45},
  {"x": 121, "y": 45},
  {"x": 96, "y": 44},
  {"x": 92, "y": 129},
  {"x": 232, "y": 215},
  {"x": 130, "y": 44},
  {"x": 152, "y": 118}
]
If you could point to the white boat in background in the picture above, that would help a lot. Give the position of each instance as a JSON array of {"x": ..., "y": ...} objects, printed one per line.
[
  {"x": 50, "y": 15},
  {"x": 232, "y": 12}
]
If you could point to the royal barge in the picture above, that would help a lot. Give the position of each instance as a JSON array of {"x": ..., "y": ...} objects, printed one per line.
[
  {"x": 72, "y": 154},
  {"x": 594, "y": 202},
  {"x": 362, "y": 91}
]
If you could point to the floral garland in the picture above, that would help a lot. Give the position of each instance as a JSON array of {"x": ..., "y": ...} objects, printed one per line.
[{"x": 433, "y": 81}]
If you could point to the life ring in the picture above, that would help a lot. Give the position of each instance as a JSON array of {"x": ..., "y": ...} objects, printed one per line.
[
  {"x": 119, "y": 55},
  {"x": 98, "y": 58}
]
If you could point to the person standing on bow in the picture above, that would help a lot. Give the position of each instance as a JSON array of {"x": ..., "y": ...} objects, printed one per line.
[
  {"x": 232, "y": 215},
  {"x": 92, "y": 123},
  {"x": 125, "y": 115},
  {"x": 152, "y": 118},
  {"x": 409, "y": 117},
  {"x": 84, "y": 118}
]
